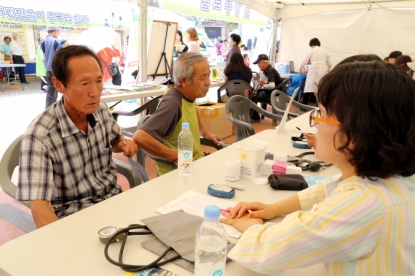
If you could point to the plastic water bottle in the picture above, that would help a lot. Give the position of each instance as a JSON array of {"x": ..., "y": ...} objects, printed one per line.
[
  {"x": 185, "y": 150},
  {"x": 211, "y": 245},
  {"x": 280, "y": 165}
]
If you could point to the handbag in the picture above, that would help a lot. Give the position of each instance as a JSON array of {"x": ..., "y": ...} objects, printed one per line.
[
  {"x": 112, "y": 69},
  {"x": 290, "y": 182}
]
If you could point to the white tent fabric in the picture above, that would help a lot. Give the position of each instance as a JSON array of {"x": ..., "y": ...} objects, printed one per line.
[{"x": 348, "y": 33}]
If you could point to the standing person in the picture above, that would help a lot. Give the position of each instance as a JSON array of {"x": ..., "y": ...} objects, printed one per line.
[
  {"x": 218, "y": 46},
  {"x": 361, "y": 221},
  {"x": 40, "y": 65},
  {"x": 105, "y": 56},
  {"x": 234, "y": 41},
  {"x": 5, "y": 48},
  {"x": 16, "y": 55},
  {"x": 320, "y": 65},
  {"x": 224, "y": 49},
  {"x": 66, "y": 154},
  {"x": 49, "y": 46},
  {"x": 179, "y": 46},
  {"x": 193, "y": 40}
]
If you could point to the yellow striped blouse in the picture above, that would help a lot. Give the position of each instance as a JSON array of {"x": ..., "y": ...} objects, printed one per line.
[{"x": 355, "y": 227}]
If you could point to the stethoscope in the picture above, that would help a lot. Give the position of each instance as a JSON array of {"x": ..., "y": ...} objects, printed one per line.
[{"x": 306, "y": 164}]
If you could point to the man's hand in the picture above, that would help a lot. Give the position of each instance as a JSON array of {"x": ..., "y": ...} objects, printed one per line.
[
  {"x": 42, "y": 212},
  {"x": 258, "y": 210},
  {"x": 212, "y": 137},
  {"x": 311, "y": 139},
  {"x": 130, "y": 147},
  {"x": 261, "y": 83},
  {"x": 242, "y": 223}
]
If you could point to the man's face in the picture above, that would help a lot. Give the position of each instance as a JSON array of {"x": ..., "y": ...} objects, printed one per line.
[
  {"x": 7, "y": 41},
  {"x": 56, "y": 33},
  {"x": 83, "y": 90},
  {"x": 200, "y": 81},
  {"x": 262, "y": 64}
]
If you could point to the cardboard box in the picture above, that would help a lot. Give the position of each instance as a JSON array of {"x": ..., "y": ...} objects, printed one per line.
[{"x": 215, "y": 120}]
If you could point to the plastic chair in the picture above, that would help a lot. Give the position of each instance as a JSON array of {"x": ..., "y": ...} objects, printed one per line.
[
  {"x": 235, "y": 87},
  {"x": 279, "y": 102},
  {"x": 150, "y": 107},
  {"x": 141, "y": 154},
  {"x": 238, "y": 110},
  {"x": 10, "y": 161}
]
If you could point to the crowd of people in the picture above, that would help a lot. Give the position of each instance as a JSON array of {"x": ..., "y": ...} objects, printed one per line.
[{"x": 360, "y": 222}]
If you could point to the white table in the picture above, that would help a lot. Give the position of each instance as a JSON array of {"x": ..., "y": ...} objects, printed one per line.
[
  {"x": 10, "y": 65},
  {"x": 128, "y": 95},
  {"x": 71, "y": 246},
  {"x": 214, "y": 83}
]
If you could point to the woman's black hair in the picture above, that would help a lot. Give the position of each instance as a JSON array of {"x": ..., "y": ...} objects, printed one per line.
[
  {"x": 181, "y": 36},
  {"x": 6, "y": 38},
  {"x": 315, "y": 42},
  {"x": 364, "y": 58},
  {"x": 375, "y": 104},
  {"x": 235, "y": 38},
  {"x": 236, "y": 65}
]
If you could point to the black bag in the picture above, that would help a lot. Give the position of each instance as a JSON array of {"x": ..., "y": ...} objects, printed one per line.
[
  {"x": 112, "y": 69},
  {"x": 291, "y": 182}
]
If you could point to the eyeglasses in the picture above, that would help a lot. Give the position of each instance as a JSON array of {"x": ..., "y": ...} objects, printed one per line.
[{"x": 315, "y": 117}]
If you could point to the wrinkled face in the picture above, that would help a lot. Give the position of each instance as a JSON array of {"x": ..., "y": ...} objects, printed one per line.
[
  {"x": 83, "y": 90},
  {"x": 262, "y": 65},
  {"x": 327, "y": 140},
  {"x": 200, "y": 81}
]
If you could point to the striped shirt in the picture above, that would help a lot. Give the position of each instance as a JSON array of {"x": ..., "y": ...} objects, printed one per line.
[
  {"x": 61, "y": 164},
  {"x": 355, "y": 227}
]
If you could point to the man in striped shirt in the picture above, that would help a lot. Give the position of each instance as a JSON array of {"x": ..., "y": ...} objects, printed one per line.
[
  {"x": 361, "y": 222},
  {"x": 65, "y": 156}
]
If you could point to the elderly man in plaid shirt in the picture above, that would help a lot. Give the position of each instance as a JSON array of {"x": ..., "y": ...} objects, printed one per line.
[{"x": 65, "y": 156}]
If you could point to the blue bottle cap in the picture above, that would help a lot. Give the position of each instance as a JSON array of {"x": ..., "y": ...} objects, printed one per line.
[
  {"x": 185, "y": 125},
  {"x": 212, "y": 213}
]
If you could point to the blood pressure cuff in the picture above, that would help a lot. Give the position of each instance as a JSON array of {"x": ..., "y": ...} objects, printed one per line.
[
  {"x": 177, "y": 230},
  {"x": 291, "y": 182}
]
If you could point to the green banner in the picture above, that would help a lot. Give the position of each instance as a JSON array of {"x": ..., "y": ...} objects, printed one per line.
[{"x": 224, "y": 10}]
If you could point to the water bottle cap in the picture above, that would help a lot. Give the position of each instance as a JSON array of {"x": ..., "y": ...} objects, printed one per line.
[
  {"x": 212, "y": 213},
  {"x": 185, "y": 125}
]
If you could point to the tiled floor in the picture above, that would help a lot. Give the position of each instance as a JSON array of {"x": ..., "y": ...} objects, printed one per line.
[{"x": 19, "y": 107}]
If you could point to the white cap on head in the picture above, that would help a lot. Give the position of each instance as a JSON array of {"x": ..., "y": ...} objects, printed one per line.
[{"x": 52, "y": 27}]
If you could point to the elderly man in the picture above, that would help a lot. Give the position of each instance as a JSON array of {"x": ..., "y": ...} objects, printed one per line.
[
  {"x": 16, "y": 56},
  {"x": 159, "y": 134},
  {"x": 269, "y": 80},
  {"x": 65, "y": 157},
  {"x": 49, "y": 46}
]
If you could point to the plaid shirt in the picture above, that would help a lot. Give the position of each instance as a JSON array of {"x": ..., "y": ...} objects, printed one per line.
[{"x": 62, "y": 164}]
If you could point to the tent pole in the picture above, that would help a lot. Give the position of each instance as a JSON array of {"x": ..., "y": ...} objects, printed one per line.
[
  {"x": 142, "y": 57},
  {"x": 274, "y": 39}
]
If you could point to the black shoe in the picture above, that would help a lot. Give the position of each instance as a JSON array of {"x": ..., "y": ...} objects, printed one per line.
[{"x": 256, "y": 120}]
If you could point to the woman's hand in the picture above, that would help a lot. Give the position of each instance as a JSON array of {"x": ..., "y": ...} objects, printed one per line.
[
  {"x": 258, "y": 210},
  {"x": 311, "y": 139},
  {"x": 242, "y": 223}
]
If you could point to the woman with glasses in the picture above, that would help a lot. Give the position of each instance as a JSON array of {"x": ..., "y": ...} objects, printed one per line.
[{"x": 361, "y": 222}]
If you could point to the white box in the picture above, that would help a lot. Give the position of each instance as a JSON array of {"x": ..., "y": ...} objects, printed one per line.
[
  {"x": 267, "y": 167},
  {"x": 252, "y": 157}
]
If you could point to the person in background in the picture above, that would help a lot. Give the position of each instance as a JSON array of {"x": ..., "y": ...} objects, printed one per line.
[
  {"x": 244, "y": 49},
  {"x": 16, "y": 55},
  {"x": 402, "y": 61},
  {"x": 218, "y": 46},
  {"x": 363, "y": 218},
  {"x": 193, "y": 40},
  {"x": 393, "y": 56},
  {"x": 66, "y": 154},
  {"x": 237, "y": 70},
  {"x": 320, "y": 65},
  {"x": 160, "y": 132},
  {"x": 411, "y": 65},
  {"x": 105, "y": 56},
  {"x": 63, "y": 43},
  {"x": 5, "y": 48},
  {"x": 224, "y": 49},
  {"x": 234, "y": 41},
  {"x": 40, "y": 66},
  {"x": 49, "y": 46},
  {"x": 179, "y": 46},
  {"x": 247, "y": 60}
]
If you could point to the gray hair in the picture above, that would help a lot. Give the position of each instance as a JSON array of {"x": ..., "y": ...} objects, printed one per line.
[{"x": 183, "y": 67}]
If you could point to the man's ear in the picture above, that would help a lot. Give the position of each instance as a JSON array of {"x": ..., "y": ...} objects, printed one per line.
[
  {"x": 59, "y": 85},
  {"x": 183, "y": 81}
]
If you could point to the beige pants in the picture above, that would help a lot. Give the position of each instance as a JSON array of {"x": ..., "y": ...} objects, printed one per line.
[{"x": 7, "y": 58}]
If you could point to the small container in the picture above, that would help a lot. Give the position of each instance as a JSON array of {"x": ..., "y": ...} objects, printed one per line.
[
  {"x": 232, "y": 170},
  {"x": 280, "y": 165}
]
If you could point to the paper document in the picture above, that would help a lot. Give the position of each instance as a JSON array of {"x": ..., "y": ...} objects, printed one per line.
[{"x": 194, "y": 203}]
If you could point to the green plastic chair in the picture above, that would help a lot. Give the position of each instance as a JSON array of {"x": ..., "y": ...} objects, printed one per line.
[{"x": 238, "y": 110}]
